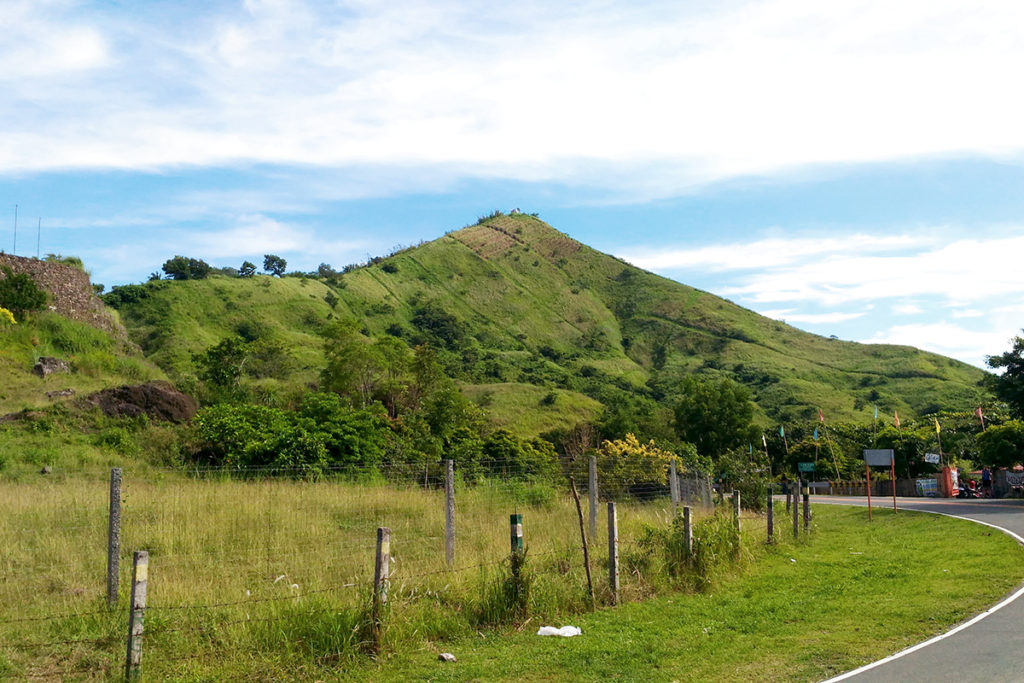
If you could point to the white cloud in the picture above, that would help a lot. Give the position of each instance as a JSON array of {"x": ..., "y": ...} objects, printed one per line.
[
  {"x": 659, "y": 96},
  {"x": 820, "y": 318},
  {"x": 961, "y": 272},
  {"x": 767, "y": 253},
  {"x": 907, "y": 309}
]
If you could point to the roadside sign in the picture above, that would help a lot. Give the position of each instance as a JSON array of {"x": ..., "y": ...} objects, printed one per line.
[
  {"x": 932, "y": 458},
  {"x": 805, "y": 467},
  {"x": 878, "y": 457}
]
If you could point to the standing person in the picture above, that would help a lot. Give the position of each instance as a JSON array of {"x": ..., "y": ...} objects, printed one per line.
[{"x": 986, "y": 482}]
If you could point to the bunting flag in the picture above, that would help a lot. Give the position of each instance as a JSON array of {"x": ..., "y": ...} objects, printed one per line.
[
  {"x": 782, "y": 432},
  {"x": 937, "y": 430},
  {"x": 896, "y": 415},
  {"x": 980, "y": 417},
  {"x": 821, "y": 415},
  {"x": 750, "y": 448},
  {"x": 815, "y": 433},
  {"x": 764, "y": 441},
  {"x": 876, "y": 412}
]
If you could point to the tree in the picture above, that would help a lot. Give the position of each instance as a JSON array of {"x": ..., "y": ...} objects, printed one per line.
[
  {"x": 20, "y": 294},
  {"x": 248, "y": 269},
  {"x": 714, "y": 414},
  {"x": 184, "y": 268},
  {"x": 1009, "y": 386},
  {"x": 274, "y": 264},
  {"x": 1002, "y": 445}
]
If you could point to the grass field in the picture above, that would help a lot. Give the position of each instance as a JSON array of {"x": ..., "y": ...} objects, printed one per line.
[{"x": 269, "y": 580}]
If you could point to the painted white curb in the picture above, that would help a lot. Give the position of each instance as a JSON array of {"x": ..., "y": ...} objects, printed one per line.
[{"x": 955, "y": 629}]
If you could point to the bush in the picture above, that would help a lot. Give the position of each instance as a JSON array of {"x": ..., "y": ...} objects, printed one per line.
[{"x": 20, "y": 294}]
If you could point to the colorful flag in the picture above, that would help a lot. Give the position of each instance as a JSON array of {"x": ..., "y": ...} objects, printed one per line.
[
  {"x": 896, "y": 415},
  {"x": 782, "y": 432},
  {"x": 876, "y": 412},
  {"x": 821, "y": 415},
  {"x": 937, "y": 425},
  {"x": 815, "y": 433},
  {"x": 750, "y": 448}
]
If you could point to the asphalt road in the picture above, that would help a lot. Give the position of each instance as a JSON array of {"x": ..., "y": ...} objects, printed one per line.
[{"x": 987, "y": 650}]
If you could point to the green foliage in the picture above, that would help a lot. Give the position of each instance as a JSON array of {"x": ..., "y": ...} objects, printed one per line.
[
  {"x": 248, "y": 269},
  {"x": 184, "y": 268},
  {"x": 749, "y": 473},
  {"x": 629, "y": 467},
  {"x": 1009, "y": 386},
  {"x": 1002, "y": 445},
  {"x": 714, "y": 414},
  {"x": 507, "y": 596},
  {"x": 274, "y": 264},
  {"x": 125, "y": 295},
  {"x": 72, "y": 261},
  {"x": 505, "y": 455},
  {"x": 19, "y": 294},
  {"x": 322, "y": 433}
]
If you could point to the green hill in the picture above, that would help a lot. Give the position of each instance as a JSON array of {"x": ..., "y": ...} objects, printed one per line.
[{"x": 541, "y": 330}]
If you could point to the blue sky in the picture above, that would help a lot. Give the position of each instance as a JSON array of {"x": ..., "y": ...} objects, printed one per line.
[{"x": 852, "y": 167}]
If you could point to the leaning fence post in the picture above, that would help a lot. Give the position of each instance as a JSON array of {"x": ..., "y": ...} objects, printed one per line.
[
  {"x": 807, "y": 508},
  {"x": 136, "y": 615},
  {"x": 380, "y": 582},
  {"x": 114, "y": 537},
  {"x": 592, "y": 495},
  {"x": 771, "y": 516},
  {"x": 673, "y": 485},
  {"x": 613, "y": 552},
  {"x": 449, "y": 512},
  {"x": 688, "y": 532}
]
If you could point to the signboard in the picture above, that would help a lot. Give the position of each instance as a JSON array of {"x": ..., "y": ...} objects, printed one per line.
[
  {"x": 878, "y": 457},
  {"x": 1015, "y": 478},
  {"x": 805, "y": 467},
  {"x": 932, "y": 458},
  {"x": 927, "y": 487}
]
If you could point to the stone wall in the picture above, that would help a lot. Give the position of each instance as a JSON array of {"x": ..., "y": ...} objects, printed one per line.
[{"x": 71, "y": 293}]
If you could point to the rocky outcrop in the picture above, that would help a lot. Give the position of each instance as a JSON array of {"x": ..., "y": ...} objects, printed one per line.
[
  {"x": 47, "y": 365},
  {"x": 70, "y": 291},
  {"x": 157, "y": 400}
]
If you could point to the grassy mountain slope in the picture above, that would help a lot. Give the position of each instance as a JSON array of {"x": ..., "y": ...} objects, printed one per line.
[
  {"x": 98, "y": 360},
  {"x": 534, "y": 311}
]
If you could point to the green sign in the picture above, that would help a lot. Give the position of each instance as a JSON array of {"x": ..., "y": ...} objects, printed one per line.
[{"x": 805, "y": 466}]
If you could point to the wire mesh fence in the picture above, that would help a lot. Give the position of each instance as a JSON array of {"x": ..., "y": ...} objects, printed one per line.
[{"x": 270, "y": 559}]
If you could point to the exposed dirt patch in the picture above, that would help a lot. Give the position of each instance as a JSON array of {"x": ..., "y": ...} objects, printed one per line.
[{"x": 157, "y": 400}]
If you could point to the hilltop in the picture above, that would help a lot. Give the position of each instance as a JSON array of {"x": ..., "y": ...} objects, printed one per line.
[{"x": 541, "y": 330}]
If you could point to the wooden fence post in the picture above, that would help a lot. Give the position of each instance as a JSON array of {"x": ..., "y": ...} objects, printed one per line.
[
  {"x": 137, "y": 615},
  {"x": 807, "y": 508},
  {"x": 114, "y": 537},
  {"x": 381, "y": 571},
  {"x": 449, "y": 512},
  {"x": 592, "y": 495},
  {"x": 771, "y": 516},
  {"x": 688, "y": 532},
  {"x": 613, "y": 552},
  {"x": 673, "y": 485}
]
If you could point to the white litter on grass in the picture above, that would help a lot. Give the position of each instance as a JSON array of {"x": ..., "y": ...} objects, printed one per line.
[{"x": 565, "y": 631}]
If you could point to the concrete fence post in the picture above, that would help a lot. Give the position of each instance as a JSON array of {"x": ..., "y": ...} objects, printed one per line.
[
  {"x": 613, "y": 552},
  {"x": 449, "y": 512},
  {"x": 381, "y": 571},
  {"x": 114, "y": 537},
  {"x": 137, "y": 615}
]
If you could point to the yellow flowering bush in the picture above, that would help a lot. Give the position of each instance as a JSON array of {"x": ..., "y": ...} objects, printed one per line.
[
  {"x": 6, "y": 318},
  {"x": 626, "y": 466}
]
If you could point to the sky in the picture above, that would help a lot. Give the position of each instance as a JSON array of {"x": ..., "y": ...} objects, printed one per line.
[{"x": 853, "y": 168}]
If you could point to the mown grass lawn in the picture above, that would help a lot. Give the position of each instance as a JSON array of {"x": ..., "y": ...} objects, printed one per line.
[{"x": 858, "y": 592}]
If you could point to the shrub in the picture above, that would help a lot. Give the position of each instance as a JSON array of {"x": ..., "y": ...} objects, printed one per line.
[
  {"x": 20, "y": 294},
  {"x": 184, "y": 268}
]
